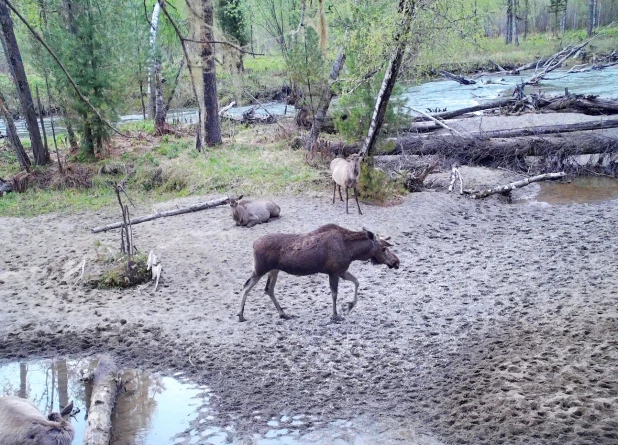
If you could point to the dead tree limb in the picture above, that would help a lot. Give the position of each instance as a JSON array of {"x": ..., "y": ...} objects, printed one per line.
[
  {"x": 518, "y": 184},
  {"x": 556, "y": 61},
  {"x": 459, "y": 79},
  {"x": 141, "y": 219},
  {"x": 104, "y": 391}
]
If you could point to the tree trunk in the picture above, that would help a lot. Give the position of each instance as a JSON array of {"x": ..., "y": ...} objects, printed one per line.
[
  {"x": 103, "y": 398},
  {"x": 13, "y": 57},
  {"x": 63, "y": 382},
  {"x": 23, "y": 381},
  {"x": 518, "y": 184},
  {"x": 406, "y": 10},
  {"x": 159, "y": 116},
  {"x": 509, "y": 26},
  {"x": 141, "y": 219},
  {"x": 211, "y": 125},
  {"x": 526, "y": 17},
  {"x": 11, "y": 132},
  {"x": 325, "y": 99},
  {"x": 515, "y": 35},
  {"x": 168, "y": 102},
  {"x": 591, "y": 14},
  {"x": 154, "y": 22}
]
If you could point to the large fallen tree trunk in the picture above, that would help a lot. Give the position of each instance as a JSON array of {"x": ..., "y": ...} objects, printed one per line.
[
  {"x": 457, "y": 78},
  {"x": 141, "y": 219},
  {"x": 518, "y": 184},
  {"x": 484, "y": 106},
  {"x": 102, "y": 401},
  {"x": 549, "y": 129}
]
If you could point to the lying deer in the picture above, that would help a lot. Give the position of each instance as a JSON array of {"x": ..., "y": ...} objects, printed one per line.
[
  {"x": 21, "y": 423},
  {"x": 250, "y": 212},
  {"x": 329, "y": 250},
  {"x": 345, "y": 173}
]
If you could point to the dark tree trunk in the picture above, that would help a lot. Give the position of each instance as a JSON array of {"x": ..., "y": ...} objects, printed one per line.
[
  {"x": 515, "y": 34},
  {"x": 212, "y": 125},
  {"x": 325, "y": 99},
  {"x": 63, "y": 382},
  {"x": 406, "y": 11},
  {"x": 168, "y": 102},
  {"x": 13, "y": 57},
  {"x": 508, "y": 36},
  {"x": 11, "y": 132},
  {"x": 591, "y": 15},
  {"x": 23, "y": 381}
]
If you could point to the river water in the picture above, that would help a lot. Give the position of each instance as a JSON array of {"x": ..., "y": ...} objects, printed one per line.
[{"x": 438, "y": 94}]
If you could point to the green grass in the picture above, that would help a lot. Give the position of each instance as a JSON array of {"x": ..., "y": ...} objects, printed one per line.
[{"x": 174, "y": 169}]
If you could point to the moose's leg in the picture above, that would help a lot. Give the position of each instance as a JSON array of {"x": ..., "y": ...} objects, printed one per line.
[
  {"x": 334, "y": 190},
  {"x": 349, "y": 277},
  {"x": 245, "y": 291},
  {"x": 333, "y": 280},
  {"x": 346, "y": 199},
  {"x": 270, "y": 290},
  {"x": 340, "y": 196},
  {"x": 253, "y": 222},
  {"x": 356, "y": 197}
]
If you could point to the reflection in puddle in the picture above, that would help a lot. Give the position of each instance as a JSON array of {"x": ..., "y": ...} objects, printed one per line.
[
  {"x": 579, "y": 190},
  {"x": 152, "y": 410},
  {"x": 155, "y": 410}
]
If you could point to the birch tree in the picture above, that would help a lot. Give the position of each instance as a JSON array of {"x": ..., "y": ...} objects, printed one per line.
[{"x": 211, "y": 125}]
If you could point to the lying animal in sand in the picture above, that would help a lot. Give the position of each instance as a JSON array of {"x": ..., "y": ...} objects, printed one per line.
[
  {"x": 329, "y": 250},
  {"x": 21, "y": 423},
  {"x": 249, "y": 212}
]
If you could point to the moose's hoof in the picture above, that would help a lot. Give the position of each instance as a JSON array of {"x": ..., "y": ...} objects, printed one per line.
[
  {"x": 286, "y": 316},
  {"x": 337, "y": 318},
  {"x": 350, "y": 306},
  {"x": 241, "y": 318}
]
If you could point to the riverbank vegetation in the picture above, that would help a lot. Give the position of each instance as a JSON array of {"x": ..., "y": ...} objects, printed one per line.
[{"x": 167, "y": 54}]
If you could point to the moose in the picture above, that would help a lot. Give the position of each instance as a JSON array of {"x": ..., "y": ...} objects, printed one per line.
[
  {"x": 345, "y": 173},
  {"x": 21, "y": 423},
  {"x": 329, "y": 249},
  {"x": 250, "y": 212}
]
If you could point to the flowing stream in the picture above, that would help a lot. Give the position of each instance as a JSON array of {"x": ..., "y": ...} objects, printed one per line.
[{"x": 437, "y": 94}]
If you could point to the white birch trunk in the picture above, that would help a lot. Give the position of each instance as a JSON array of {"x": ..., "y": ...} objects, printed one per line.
[{"x": 153, "y": 47}]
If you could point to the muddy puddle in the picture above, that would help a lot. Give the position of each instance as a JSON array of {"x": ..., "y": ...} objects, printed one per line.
[
  {"x": 160, "y": 410},
  {"x": 577, "y": 191}
]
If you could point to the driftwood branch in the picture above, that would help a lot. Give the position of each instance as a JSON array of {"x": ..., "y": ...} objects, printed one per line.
[
  {"x": 459, "y": 79},
  {"x": 518, "y": 184},
  {"x": 141, "y": 219},
  {"x": 104, "y": 391}
]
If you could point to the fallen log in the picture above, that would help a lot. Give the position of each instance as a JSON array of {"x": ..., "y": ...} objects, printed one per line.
[
  {"x": 102, "y": 401},
  {"x": 549, "y": 129},
  {"x": 518, "y": 184},
  {"x": 459, "y": 79},
  {"x": 484, "y": 106},
  {"x": 141, "y": 219}
]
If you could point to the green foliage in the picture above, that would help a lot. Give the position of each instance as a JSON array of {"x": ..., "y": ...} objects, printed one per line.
[
  {"x": 114, "y": 272},
  {"x": 305, "y": 62},
  {"x": 376, "y": 186},
  {"x": 230, "y": 14}
]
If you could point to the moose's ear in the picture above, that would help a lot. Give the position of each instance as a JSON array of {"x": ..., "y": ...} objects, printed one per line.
[
  {"x": 239, "y": 198},
  {"x": 386, "y": 243},
  {"x": 369, "y": 234}
]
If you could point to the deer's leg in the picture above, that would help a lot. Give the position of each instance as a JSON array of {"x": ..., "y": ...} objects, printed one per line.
[
  {"x": 270, "y": 290},
  {"x": 346, "y": 199},
  {"x": 356, "y": 197},
  {"x": 333, "y": 280},
  {"x": 349, "y": 277},
  {"x": 245, "y": 291}
]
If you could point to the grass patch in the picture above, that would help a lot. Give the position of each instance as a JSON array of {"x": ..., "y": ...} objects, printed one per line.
[
  {"x": 111, "y": 271},
  {"x": 165, "y": 168}
]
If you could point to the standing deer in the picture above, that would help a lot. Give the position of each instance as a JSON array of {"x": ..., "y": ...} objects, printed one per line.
[
  {"x": 328, "y": 250},
  {"x": 21, "y": 423},
  {"x": 345, "y": 174}
]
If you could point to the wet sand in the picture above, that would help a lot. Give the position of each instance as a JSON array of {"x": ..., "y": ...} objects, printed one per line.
[{"x": 501, "y": 325}]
